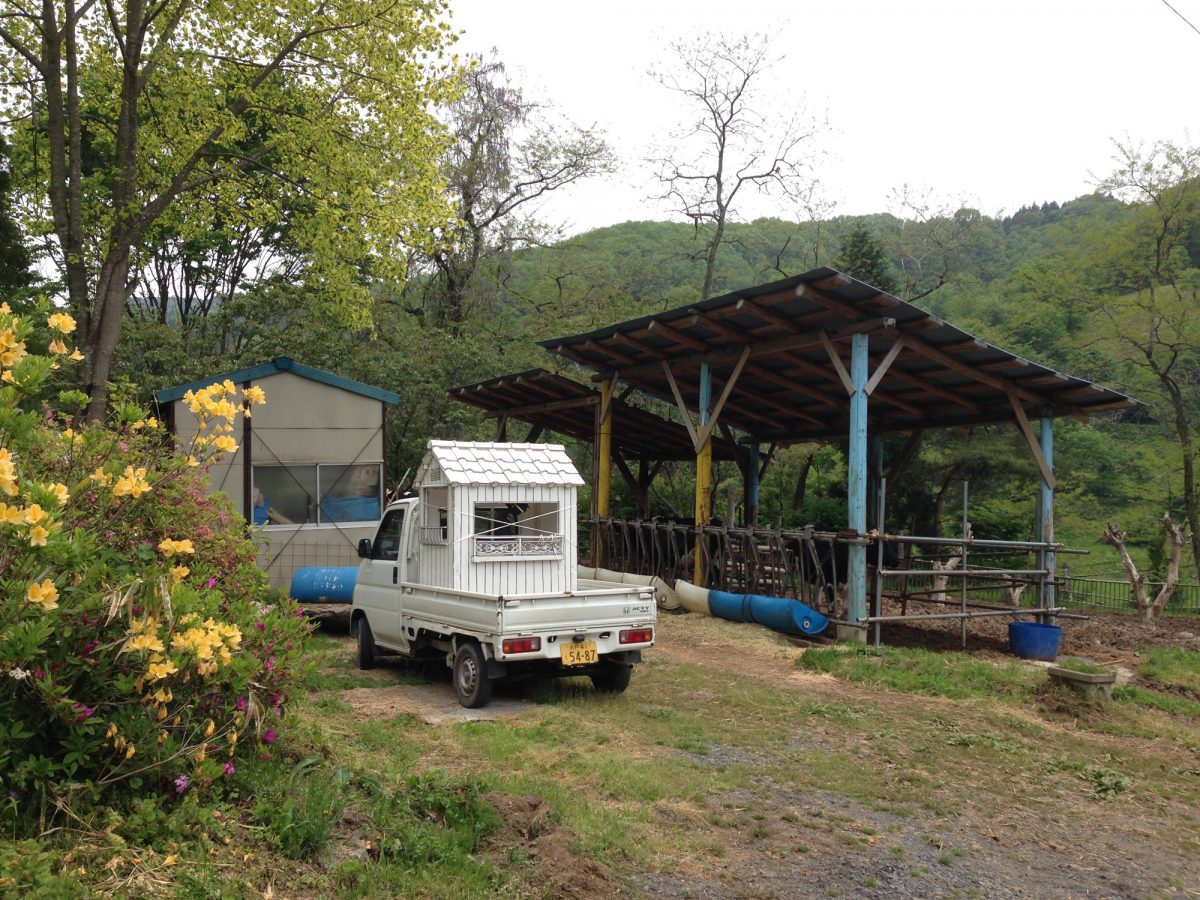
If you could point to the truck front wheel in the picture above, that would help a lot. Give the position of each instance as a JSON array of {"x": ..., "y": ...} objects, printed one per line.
[
  {"x": 612, "y": 678},
  {"x": 366, "y": 645},
  {"x": 471, "y": 683}
]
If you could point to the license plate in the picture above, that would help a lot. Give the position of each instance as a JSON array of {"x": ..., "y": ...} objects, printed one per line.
[{"x": 579, "y": 654}]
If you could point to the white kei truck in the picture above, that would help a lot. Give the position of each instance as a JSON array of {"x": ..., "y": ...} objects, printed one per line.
[{"x": 479, "y": 568}]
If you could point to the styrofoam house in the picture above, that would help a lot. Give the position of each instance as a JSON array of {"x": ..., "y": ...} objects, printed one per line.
[
  {"x": 497, "y": 519},
  {"x": 309, "y": 465}
]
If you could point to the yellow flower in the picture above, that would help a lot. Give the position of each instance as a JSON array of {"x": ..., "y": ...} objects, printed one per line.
[
  {"x": 57, "y": 347},
  {"x": 43, "y": 594},
  {"x": 254, "y": 394},
  {"x": 170, "y": 547},
  {"x": 60, "y": 491},
  {"x": 179, "y": 573},
  {"x": 76, "y": 356},
  {"x": 210, "y": 728},
  {"x": 169, "y": 860},
  {"x": 147, "y": 641},
  {"x": 112, "y": 730},
  {"x": 37, "y": 536},
  {"x": 130, "y": 750},
  {"x": 34, "y": 514},
  {"x": 226, "y": 443},
  {"x": 101, "y": 478},
  {"x": 132, "y": 481},
  {"x": 12, "y": 515},
  {"x": 158, "y": 671},
  {"x": 61, "y": 322}
]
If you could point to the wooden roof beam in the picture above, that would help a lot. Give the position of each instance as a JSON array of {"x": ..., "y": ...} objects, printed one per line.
[{"x": 969, "y": 371}]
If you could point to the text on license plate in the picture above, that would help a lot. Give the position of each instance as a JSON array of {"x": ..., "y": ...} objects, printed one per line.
[{"x": 579, "y": 654}]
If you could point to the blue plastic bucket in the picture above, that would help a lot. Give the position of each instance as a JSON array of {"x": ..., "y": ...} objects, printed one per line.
[{"x": 1033, "y": 640}]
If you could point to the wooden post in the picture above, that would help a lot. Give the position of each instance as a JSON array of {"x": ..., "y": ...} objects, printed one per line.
[
  {"x": 703, "y": 510},
  {"x": 856, "y": 562}
]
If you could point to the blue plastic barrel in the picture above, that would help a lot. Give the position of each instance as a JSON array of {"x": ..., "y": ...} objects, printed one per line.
[
  {"x": 777, "y": 613},
  {"x": 324, "y": 584},
  {"x": 1033, "y": 640}
]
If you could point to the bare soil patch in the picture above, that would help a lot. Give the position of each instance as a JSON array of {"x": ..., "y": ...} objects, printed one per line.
[
  {"x": 529, "y": 836},
  {"x": 1002, "y": 839}
]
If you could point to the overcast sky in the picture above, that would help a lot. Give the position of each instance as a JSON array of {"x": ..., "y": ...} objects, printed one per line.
[{"x": 998, "y": 103}]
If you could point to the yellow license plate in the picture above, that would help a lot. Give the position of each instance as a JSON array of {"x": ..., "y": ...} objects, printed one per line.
[{"x": 580, "y": 654}]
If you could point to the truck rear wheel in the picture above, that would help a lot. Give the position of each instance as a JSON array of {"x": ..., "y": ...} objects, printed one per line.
[
  {"x": 612, "y": 678},
  {"x": 471, "y": 683},
  {"x": 366, "y": 645}
]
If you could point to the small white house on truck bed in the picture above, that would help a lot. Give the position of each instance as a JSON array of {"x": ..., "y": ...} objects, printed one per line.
[{"x": 480, "y": 568}]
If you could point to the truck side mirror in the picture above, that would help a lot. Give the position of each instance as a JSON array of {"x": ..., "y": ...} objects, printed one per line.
[{"x": 364, "y": 548}]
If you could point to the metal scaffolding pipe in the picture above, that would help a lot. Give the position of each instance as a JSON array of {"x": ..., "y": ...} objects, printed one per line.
[
  {"x": 976, "y": 542},
  {"x": 1035, "y": 610}
]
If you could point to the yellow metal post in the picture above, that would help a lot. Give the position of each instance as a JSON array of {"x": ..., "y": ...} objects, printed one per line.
[{"x": 604, "y": 459}]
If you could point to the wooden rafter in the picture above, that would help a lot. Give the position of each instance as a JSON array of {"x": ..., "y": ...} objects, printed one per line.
[{"x": 1031, "y": 438}]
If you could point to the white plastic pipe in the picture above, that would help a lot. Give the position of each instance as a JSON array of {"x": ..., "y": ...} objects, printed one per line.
[{"x": 664, "y": 595}]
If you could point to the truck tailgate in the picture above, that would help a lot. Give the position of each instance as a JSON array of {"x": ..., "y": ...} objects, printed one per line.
[{"x": 578, "y": 610}]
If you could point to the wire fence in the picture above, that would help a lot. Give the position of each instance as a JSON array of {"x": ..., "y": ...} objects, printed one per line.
[{"x": 1117, "y": 596}]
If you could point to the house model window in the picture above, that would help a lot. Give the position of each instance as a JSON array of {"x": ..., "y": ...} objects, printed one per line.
[{"x": 524, "y": 530}]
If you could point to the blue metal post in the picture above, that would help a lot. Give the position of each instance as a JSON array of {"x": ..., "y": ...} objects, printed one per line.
[
  {"x": 1046, "y": 510},
  {"x": 856, "y": 563},
  {"x": 752, "y": 484}
]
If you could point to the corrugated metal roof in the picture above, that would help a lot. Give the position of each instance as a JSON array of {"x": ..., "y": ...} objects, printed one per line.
[
  {"x": 479, "y": 463},
  {"x": 789, "y": 388},
  {"x": 274, "y": 367},
  {"x": 564, "y": 406}
]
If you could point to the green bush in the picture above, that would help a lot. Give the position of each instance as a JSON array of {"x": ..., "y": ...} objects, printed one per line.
[{"x": 141, "y": 648}]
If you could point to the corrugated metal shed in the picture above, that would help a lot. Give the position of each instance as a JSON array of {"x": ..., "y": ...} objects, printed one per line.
[{"x": 476, "y": 463}]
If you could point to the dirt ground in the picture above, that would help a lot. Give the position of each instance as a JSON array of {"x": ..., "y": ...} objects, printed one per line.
[
  {"x": 1103, "y": 637},
  {"x": 781, "y": 843},
  {"x": 989, "y": 839}
]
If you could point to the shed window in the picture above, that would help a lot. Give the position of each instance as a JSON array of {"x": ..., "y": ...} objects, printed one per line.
[{"x": 317, "y": 493}]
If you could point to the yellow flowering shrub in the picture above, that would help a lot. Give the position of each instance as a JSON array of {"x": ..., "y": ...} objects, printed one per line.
[{"x": 141, "y": 647}]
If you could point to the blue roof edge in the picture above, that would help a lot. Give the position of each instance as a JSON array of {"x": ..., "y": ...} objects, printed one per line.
[{"x": 274, "y": 367}]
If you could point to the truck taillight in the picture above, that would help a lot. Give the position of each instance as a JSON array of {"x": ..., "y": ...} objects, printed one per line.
[
  {"x": 636, "y": 635},
  {"x": 522, "y": 645}
]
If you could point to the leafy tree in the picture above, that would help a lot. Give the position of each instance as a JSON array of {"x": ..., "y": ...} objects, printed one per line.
[
  {"x": 139, "y": 104},
  {"x": 862, "y": 257},
  {"x": 15, "y": 259},
  {"x": 506, "y": 153},
  {"x": 735, "y": 141},
  {"x": 1149, "y": 319}
]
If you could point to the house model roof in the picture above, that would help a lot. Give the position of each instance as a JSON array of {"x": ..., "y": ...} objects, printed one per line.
[{"x": 472, "y": 463}]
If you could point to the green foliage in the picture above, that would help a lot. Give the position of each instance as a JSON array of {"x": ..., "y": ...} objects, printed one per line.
[
  {"x": 300, "y": 811},
  {"x": 28, "y": 869},
  {"x": 862, "y": 256},
  {"x": 954, "y": 675},
  {"x": 1172, "y": 667},
  {"x": 141, "y": 649}
]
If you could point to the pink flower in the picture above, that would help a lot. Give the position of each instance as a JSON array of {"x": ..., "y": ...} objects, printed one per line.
[
  {"x": 211, "y": 583},
  {"x": 269, "y": 736},
  {"x": 260, "y": 626},
  {"x": 229, "y": 769},
  {"x": 241, "y": 704},
  {"x": 181, "y": 784}
]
